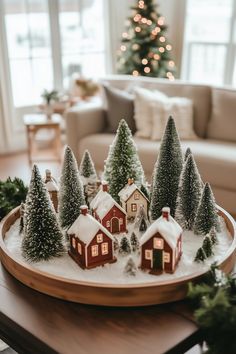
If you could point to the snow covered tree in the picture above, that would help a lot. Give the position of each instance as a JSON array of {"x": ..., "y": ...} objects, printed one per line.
[
  {"x": 22, "y": 212},
  {"x": 145, "y": 191},
  {"x": 122, "y": 162},
  {"x": 130, "y": 268},
  {"x": 167, "y": 172},
  {"x": 87, "y": 169},
  {"x": 189, "y": 194},
  {"x": 213, "y": 236},
  {"x": 71, "y": 195},
  {"x": 206, "y": 216},
  {"x": 124, "y": 246},
  {"x": 200, "y": 255},
  {"x": 141, "y": 220},
  {"x": 207, "y": 246},
  {"x": 144, "y": 49},
  {"x": 134, "y": 242},
  {"x": 42, "y": 236},
  {"x": 116, "y": 243},
  {"x": 187, "y": 153}
]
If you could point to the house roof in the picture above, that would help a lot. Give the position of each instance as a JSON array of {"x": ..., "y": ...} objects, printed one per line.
[
  {"x": 169, "y": 229},
  {"x": 128, "y": 190},
  {"x": 86, "y": 227},
  {"x": 52, "y": 186},
  {"x": 103, "y": 202}
]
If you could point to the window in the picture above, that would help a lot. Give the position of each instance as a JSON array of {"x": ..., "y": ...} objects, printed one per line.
[
  {"x": 99, "y": 238},
  {"x": 121, "y": 221},
  {"x": 148, "y": 254},
  {"x": 133, "y": 207},
  {"x": 104, "y": 248},
  {"x": 48, "y": 40},
  {"x": 94, "y": 250},
  {"x": 158, "y": 243},
  {"x": 210, "y": 50},
  {"x": 166, "y": 257},
  {"x": 136, "y": 196},
  {"x": 108, "y": 224},
  {"x": 73, "y": 242},
  {"x": 79, "y": 248}
]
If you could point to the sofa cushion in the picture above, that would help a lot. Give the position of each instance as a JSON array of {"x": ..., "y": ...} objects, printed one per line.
[
  {"x": 119, "y": 105},
  {"x": 216, "y": 160},
  {"x": 199, "y": 94},
  {"x": 222, "y": 123}
]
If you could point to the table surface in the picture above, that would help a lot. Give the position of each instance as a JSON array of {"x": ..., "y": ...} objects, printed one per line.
[
  {"x": 35, "y": 323},
  {"x": 41, "y": 119}
]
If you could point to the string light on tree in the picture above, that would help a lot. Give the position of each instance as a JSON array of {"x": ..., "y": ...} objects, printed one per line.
[{"x": 145, "y": 49}]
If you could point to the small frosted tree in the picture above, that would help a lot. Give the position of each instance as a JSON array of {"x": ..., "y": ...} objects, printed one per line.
[
  {"x": 189, "y": 194},
  {"x": 206, "y": 216},
  {"x": 87, "y": 169},
  {"x": 125, "y": 248},
  {"x": 207, "y": 246},
  {"x": 187, "y": 153},
  {"x": 213, "y": 236},
  {"x": 130, "y": 268},
  {"x": 42, "y": 236},
  {"x": 167, "y": 172},
  {"x": 141, "y": 220},
  {"x": 134, "y": 242},
  {"x": 122, "y": 161},
  {"x": 71, "y": 195},
  {"x": 200, "y": 255}
]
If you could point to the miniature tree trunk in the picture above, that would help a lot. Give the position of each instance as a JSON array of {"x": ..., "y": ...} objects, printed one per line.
[
  {"x": 42, "y": 236},
  {"x": 207, "y": 216},
  {"x": 167, "y": 172},
  {"x": 125, "y": 248},
  {"x": 130, "y": 268},
  {"x": 71, "y": 195},
  {"x": 134, "y": 242},
  {"x": 207, "y": 246},
  {"x": 189, "y": 194},
  {"x": 200, "y": 255},
  {"x": 122, "y": 162}
]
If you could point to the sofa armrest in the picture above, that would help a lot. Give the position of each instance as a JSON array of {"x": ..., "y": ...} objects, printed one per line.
[{"x": 83, "y": 121}]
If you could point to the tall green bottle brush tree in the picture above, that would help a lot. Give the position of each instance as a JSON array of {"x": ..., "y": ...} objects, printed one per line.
[{"x": 144, "y": 47}]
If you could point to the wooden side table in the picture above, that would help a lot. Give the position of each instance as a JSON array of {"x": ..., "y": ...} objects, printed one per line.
[{"x": 36, "y": 122}]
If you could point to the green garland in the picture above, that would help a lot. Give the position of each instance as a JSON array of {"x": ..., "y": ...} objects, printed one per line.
[
  {"x": 214, "y": 301},
  {"x": 12, "y": 193}
]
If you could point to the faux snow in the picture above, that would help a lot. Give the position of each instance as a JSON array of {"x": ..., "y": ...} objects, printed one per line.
[
  {"x": 114, "y": 273},
  {"x": 52, "y": 186}
]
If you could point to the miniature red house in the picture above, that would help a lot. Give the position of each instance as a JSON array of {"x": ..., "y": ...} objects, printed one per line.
[
  {"x": 91, "y": 245},
  {"x": 108, "y": 212},
  {"x": 52, "y": 188},
  {"x": 161, "y": 244},
  {"x": 131, "y": 198}
]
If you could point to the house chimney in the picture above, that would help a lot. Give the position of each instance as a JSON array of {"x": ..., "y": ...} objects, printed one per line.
[
  {"x": 84, "y": 209},
  {"x": 48, "y": 176},
  {"x": 166, "y": 213},
  {"x": 130, "y": 181},
  {"x": 104, "y": 186}
]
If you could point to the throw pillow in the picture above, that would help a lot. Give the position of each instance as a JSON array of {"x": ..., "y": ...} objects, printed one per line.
[{"x": 120, "y": 105}]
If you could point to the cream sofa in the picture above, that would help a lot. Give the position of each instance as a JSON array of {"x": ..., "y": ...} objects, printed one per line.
[{"x": 214, "y": 123}]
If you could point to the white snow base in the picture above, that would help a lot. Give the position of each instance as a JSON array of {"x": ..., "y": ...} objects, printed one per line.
[{"x": 114, "y": 273}]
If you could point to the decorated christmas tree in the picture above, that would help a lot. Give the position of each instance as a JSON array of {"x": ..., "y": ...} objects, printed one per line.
[
  {"x": 71, "y": 195},
  {"x": 207, "y": 216},
  {"x": 141, "y": 220},
  {"x": 124, "y": 246},
  {"x": 122, "y": 162},
  {"x": 167, "y": 170},
  {"x": 207, "y": 246},
  {"x": 42, "y": 236},
  {"x": 87, "y": 169},
  {"x": 144, "y": 49},
  {"x": 189, "y": 194},
  {"x": 200, "y": 255},
  {"x": 134, "y": 242},
  {"x": 130, "y": 268}
]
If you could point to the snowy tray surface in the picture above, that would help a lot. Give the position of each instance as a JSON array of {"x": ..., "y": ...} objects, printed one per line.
[{"x": 114, "y": 273}]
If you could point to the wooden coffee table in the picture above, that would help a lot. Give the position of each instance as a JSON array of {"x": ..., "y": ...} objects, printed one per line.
[{"x": 31, "y": 322}]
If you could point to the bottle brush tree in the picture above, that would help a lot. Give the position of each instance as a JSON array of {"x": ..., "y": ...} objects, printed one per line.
[
  {"x": 206, "y": 216},
  {"x": 134, "y": 242},
  {"x": 122, "y": 162},
  {"x": 145, "y": 49},
  {"x": 87, "y": 169},
  {"x": 125, "y": 248},
  {"x": 71, "y": 194},
  {"x": 167, "y": 170},
  {"x": 189, "y": 194},
  {"x": 130, "y": 268},
  {"x": 200, "y": 255},
  {"x": 207, "y": 246},
  {"x": 42, "y": 236}
]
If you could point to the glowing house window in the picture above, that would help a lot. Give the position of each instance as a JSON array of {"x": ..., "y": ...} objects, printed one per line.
[
  {"x": 108, "y": 224},
  {"x": 121, "y": 221},
  {"x": 79, "y": 248},
  {"x": 99, "y": 238},
  {"x": 166, "y": 257},
  {"x": 136, "y": 196},
  {"x": 158, "y": 243},
  {"x": 104, "y": 248},
  {"x": 133, "y": 207},
  {"x": 148, "y": 254},
  {"x": 73, "y": 243},
  {"x": 95, "y": 251}
]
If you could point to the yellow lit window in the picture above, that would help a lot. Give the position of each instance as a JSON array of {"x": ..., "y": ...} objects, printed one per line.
[
  {"x": 108, "y": 223},
  {"x": 166, "y": 257},
  {"x": 79, "y": 248},
  {"x": 73, "y": 243},
  {"x": 148, "y": 254},
  {"x": 104, "y": 248},
  {"x": 94, "y": 250},
  {"x": 158, "y": 243},
  {"x": 99, "y": 238},
  {"x": 133, "y": 207}
]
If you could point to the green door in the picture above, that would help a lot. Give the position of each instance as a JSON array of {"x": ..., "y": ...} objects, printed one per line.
[{"x": 157, "y": 259}]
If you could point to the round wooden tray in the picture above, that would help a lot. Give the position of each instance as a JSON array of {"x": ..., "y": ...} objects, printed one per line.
[{"x": 106, "y": 294}]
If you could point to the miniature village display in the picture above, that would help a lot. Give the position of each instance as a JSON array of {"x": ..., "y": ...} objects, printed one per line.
[{"x": 123, "y": 231}]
